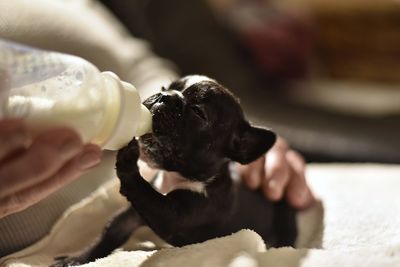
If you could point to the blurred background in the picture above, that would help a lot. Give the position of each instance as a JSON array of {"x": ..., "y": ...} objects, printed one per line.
[{"x": 323, "y": 74}]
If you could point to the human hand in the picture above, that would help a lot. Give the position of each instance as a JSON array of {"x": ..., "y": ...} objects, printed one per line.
[
  {"x": 279, "y": 173},
  {"x": 33, "y": 167}
]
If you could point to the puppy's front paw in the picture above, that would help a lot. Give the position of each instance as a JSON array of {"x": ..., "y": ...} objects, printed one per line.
[
  {"x": 126, "y": 166},
  {"x": 127, "y": 158}
]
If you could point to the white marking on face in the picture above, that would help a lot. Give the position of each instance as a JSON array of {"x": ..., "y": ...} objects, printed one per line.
[
  {"x": 172, "y": 92},
  {"x": 193, "y": 79},
  {"x": 179, "y": 93}
]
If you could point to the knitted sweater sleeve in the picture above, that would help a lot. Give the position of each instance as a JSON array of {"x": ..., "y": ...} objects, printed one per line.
[{"x": 86, "y": 29}]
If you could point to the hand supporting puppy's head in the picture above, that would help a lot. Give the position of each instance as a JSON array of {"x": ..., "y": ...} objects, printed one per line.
[{"x": 198, "y": 125}]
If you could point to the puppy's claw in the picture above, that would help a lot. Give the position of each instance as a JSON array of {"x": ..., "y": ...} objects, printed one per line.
[
  {"x": 60, "y": 258},
  {"x": 65, "y": 262}
]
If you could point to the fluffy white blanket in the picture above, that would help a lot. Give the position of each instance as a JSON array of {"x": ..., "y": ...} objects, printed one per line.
[{"x": 356, "y": 223}]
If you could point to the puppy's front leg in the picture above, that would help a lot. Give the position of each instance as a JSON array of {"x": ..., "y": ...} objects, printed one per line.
[{"x": 157, "y": 210}]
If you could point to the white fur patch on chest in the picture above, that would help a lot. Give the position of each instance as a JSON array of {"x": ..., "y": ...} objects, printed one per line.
[{"x": 166, "y": 182}]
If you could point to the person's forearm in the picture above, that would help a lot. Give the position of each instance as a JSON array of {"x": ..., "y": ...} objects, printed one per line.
[{"x": 111, "y": 48}]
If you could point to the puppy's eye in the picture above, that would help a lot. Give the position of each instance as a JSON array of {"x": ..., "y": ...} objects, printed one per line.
[{"x": 199, "y": 112}]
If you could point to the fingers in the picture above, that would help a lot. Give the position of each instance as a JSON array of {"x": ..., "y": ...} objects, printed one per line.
[
  {"x": 280, "y": 173},
  {"x": 89, "y": 157},
  {"x": 14, "y": 135},
  {"x": 277, "y": 171},
  {"x": 269, "y": 172},
  {"x": 298, "y": 193},
  {"x": 285, "y": 175},
  {"x": 32, "y": 167},
  {"x": 253, "y": 173},
  {"x": 277, "y": 175},
  {"x": 47, "y": 154}
]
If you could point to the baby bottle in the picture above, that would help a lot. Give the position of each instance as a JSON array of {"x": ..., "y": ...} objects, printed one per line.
[{"x": 50, "y": 89}]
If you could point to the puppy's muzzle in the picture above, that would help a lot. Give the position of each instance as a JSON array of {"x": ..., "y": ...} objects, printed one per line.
[{"x": 171, "y": 98}]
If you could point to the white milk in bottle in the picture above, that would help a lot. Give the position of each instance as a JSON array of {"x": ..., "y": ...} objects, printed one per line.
[{"x": 50, "y": 89}]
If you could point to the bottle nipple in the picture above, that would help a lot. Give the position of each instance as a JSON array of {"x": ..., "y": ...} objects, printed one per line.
[
  {"x": 134, "y": 119},
  {"x": 145, "y": 121}
]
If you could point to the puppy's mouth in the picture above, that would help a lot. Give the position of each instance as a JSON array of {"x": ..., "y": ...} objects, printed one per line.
[
  {"x": 148, "y": 147},
  {"x": 162, "y": 143},
  {"x": 149, "y": 143},
  {"x": 166, "y": 109}
]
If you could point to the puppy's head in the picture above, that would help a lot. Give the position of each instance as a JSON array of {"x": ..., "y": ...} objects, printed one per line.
[{"x": 198, "y": 125}]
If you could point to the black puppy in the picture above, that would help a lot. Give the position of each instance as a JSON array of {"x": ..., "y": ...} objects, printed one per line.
[{"x": 198, "y": 130}]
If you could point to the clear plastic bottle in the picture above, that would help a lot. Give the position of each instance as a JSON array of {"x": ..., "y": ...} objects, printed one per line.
[{"x": 50, "y": 89}]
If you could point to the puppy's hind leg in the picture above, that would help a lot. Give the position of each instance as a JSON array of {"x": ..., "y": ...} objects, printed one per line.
[
  {"x": 116, "y": 233},
  {"x": 285, "y": 224}
]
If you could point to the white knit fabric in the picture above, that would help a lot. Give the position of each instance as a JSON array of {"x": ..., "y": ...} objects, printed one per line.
[{"x": 354, "y": 224}]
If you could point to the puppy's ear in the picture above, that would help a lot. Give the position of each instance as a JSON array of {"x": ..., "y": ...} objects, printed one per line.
[{"x": 249, "y": 143}]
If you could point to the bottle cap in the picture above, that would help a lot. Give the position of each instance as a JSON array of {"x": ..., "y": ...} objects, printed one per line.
[{"x": 134, "y": 119}]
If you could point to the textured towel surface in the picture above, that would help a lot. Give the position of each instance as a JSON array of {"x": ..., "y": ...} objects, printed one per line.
[{"x": 354, "y": 224}]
